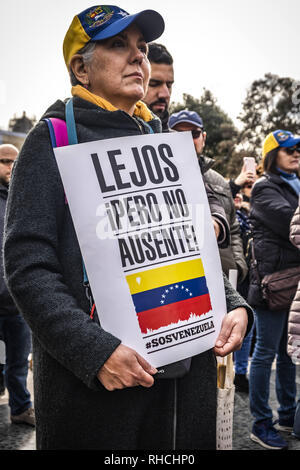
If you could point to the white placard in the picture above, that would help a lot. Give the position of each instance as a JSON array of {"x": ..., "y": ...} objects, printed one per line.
[{"x": 145, "y": 231}]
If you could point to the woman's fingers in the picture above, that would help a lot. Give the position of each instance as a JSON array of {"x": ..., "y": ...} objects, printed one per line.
[{"x": 232, "y": 332}]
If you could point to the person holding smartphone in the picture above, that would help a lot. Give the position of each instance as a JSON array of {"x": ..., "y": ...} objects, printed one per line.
[{"x": 246, "y": 178}]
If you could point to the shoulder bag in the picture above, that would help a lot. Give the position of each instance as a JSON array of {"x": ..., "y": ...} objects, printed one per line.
[{"x": 278, "y": 288}]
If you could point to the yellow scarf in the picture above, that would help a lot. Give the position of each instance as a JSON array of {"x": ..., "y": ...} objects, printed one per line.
[{"x": 140, "y": 110}]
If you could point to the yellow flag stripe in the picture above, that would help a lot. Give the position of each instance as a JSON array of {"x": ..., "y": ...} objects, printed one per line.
[{"x": 163, "y": 276}]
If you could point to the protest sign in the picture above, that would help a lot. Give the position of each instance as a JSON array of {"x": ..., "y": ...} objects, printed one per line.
[{"x": 145, "y": 231}]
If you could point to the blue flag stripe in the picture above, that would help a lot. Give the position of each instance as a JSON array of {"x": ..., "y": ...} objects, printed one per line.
[{"x": 169, "y": 294}]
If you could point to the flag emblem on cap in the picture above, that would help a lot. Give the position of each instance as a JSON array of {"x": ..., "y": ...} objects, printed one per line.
[
  {"x": 98, "y": 16},
  {"x": 282, "y": 136},
  {"x": 166, "y": 295}
]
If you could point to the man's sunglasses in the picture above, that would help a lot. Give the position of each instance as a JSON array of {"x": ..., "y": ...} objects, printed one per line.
[
  {"x": 6, "y": 161},
  {"x": 291, "y": 150},
  {"x": 196, "y": 133}
]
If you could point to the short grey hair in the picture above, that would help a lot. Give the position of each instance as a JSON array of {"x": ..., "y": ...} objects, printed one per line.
[{"x": 86, "y": 52}]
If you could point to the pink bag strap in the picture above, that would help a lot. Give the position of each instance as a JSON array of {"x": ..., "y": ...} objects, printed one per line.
[{"x": 58, "y": 132}]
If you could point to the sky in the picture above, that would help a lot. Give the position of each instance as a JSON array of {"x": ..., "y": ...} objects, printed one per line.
[{"x": 220, "y": 45}]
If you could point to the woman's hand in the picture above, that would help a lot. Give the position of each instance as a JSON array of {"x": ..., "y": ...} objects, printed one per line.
[
  {"x": 244, "y": 177},
  {"x": 232, "y": 332},
  {"x": 126, "y": 368}
]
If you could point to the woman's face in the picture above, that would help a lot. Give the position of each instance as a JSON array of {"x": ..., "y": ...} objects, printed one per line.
[
  {"x": 119, "y": 70},
  {"x": 286, "y": 162}
]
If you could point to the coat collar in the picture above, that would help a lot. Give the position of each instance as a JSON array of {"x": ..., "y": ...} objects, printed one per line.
[{"x": 274, "y": 178}]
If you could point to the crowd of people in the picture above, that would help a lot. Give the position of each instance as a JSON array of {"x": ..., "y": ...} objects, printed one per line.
[{"x": 92, "y": 391}]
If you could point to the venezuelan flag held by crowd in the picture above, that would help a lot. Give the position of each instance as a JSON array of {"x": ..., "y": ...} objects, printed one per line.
[{"x": 166, "y": 295}]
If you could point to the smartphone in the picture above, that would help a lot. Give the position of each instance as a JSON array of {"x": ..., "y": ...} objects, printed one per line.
[{"x": 250, "y": 164}]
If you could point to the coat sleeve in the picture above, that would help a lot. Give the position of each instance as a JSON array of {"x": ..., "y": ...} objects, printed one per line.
[
  {"x": 237, "y": 249},
  {"x": 232, "y": 256},
  {"x": 219, "y": 215},
  {"x": 293, "y": 346},
  {"x": 295, "y": 228},
  {"x": 235, "y": 188},
  {"x": 235, "y": 300},
  {"x": 33, "y": 270},
  {"x": 294, "y": 315}
]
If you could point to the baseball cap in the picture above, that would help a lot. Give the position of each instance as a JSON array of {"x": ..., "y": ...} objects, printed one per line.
[
  {"x": 190, "y": 117},
  {"x": 279, "y": 138},
  {"x": 104, "y": 21}
]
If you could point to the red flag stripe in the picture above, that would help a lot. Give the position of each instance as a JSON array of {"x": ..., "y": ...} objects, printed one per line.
[{"x": 173, "y": 313}]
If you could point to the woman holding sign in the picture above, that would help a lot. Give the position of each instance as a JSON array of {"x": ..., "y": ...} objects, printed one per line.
[{"x": 91, "y": 391}]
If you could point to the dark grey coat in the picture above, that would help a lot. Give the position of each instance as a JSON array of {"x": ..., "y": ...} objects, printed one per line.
[
  {"x": 44, "y": 274},
  {"x": 7, "y": 306}
]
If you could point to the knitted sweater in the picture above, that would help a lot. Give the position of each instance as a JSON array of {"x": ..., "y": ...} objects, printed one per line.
[{"x": 7, "y": 306}]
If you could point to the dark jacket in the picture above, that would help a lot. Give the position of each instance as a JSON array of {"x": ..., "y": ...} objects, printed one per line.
[
  {"x": 235, "y": 188},
  {"x": 7, "y": 306},
  {"x": 44, "y": 273},
  {"x": 273, "y": 203},
  {"x": 232, "y": 257}
]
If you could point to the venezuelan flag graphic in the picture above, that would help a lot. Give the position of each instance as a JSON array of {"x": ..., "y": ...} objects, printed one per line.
[{"x": 169, "y": 294}]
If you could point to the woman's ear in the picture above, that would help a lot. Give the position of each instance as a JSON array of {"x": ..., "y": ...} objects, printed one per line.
[{"x": 79, "y": 69}]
